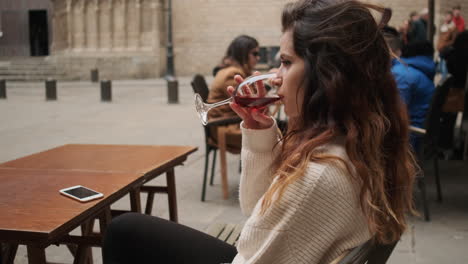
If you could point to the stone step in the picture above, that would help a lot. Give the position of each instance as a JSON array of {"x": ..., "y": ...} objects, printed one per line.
[
  {"x": 29, "y": 69},
  {"x": 52, "y": 75},
  {"x": 31, "y": 78}
]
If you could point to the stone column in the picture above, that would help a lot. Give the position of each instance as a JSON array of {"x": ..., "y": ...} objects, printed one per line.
[
  {"x": 79, "y": 23},
  {"x": 105, "y": 25},
  {"x": 126, "y": 22},
  {"x": 155, "y": 6},
  {"x": 91, "y": 21},
  {"x": 98, "y": 22},
  {"x": 133, "y": 25},
  {"x": 55, "y": 15},
  {"x": 70, "y": 27},
  {"x": 138, "y": 25},
  {"x": 118, "y": 24}
]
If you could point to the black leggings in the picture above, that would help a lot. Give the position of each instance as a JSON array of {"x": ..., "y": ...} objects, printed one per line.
[{"x": 137, "y": 238}]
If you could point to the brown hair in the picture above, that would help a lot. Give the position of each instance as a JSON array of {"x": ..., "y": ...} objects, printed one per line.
[
  {"x": 238, "y": 53},
  {"x": 350, "y": 92}
]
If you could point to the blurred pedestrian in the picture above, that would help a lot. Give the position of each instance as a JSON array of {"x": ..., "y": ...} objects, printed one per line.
[
  {"x": 458, "y": 19},
  {"x": 418, "y": 27},
  {"x": 447, "y": 34},
  {"x": 241, "y": 58}
]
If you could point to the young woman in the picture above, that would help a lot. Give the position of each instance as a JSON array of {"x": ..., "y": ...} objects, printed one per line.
[
  {"x": 240, "y": 59},
  {"x": 341, "y": 175}
]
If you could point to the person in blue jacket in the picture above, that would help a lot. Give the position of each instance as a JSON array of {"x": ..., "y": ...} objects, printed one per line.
[{"x": 414, "y": 74}]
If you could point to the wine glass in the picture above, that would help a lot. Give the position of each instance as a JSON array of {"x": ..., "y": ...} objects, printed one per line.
[{"x": 246, "y": 94}]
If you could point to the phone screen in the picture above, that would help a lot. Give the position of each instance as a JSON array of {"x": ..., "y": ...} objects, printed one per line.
[{"x": 81, "y": 192}]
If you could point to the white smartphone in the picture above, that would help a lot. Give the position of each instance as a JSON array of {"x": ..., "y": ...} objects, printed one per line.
[{"x": 81, "y": 193}]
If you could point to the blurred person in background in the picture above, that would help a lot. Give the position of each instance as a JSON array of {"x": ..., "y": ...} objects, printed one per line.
[
  {"x": 447, "y": 34},
  {"x": 457, "y": 65},
  {"x": 241, "y": 57},
  {"x": 413, "y": 75},
  {"x": 458, "y": 19},
  {"x": 418, "y": 28}
]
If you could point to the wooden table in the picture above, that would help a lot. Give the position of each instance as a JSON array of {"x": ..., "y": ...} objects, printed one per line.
[
  {"x": 35, "y": 214},
  {"x": 148, "y": 161},
  {"x": 122, "y": 167}
]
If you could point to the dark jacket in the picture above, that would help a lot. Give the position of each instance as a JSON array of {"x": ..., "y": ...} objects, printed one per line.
[
  {"x": 418, "y": 31},
  {"x": 414, "y": 80}
]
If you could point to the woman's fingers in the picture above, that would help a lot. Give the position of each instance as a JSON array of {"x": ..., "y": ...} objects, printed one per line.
[
  {"x": 230, "y": 90},
  {"x": 238, "y": 78},
  {"x": 264, "y": 121},
  {"x": 261, "y": 91},
  {"x": 253, "y": 118},
  {"x": 242, "y": 113}
]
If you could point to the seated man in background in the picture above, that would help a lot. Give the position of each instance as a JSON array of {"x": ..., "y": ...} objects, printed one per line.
[
  {"x": 457, "y": 65},
  {"x": 413, "y": 75}
]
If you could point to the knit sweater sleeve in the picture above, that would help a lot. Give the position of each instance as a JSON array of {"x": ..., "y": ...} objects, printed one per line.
[
  {"x": 317, "y": 218},
  {"x": 259, "y": 149}
]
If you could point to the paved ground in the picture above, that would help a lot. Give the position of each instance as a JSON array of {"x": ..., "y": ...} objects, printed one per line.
[{"x": 139, "y": 114}]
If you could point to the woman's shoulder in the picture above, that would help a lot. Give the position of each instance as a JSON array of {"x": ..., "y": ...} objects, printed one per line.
[{"x": 333, "y": 175}]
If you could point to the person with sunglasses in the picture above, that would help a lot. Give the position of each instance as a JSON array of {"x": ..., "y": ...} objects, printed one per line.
[{"x": 241, "y": 57}]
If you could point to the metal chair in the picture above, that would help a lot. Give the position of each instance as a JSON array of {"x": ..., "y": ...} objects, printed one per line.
[
  {"x": 429, "y": 147},
  {"x": 200, "y": 86},
  {"x": 368, "y": 252}
]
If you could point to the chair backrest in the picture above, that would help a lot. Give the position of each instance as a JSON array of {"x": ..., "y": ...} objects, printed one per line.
[
  {"x": 369, "y": 253},
  {"x": 465, "y": 108},
  {"x": 432, "y": 123},
  {"x": 200, "y": 86}
]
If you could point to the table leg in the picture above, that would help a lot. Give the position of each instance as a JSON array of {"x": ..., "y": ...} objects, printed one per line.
[
  {"x": 8, "y": 253},
  {"x": 171, "y": 195},
  {"x": 222, "y": 159},
  {"x": 36, "y": 255},
  {"x": 135, "y": 200},
  {"x": 72, "y": 249},
  {"x": 149, "y": 203},
  {"x": 84, "y": 253},
  {"x": 104, "y": 220}
]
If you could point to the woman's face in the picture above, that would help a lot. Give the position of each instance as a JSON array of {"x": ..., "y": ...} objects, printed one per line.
[
  {"x": 254, "y": 56},
  {"x": 291, "y": 76}
]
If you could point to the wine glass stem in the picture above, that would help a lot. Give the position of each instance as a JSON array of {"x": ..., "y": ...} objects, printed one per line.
[{"x": 220, "y": 103}]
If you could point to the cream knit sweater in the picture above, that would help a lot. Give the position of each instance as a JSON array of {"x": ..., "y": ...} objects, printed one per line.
[{"x": 315, "y": 221}]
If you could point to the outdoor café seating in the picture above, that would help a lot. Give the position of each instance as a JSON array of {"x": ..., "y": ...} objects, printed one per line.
[{"x": 212, "y": 145}]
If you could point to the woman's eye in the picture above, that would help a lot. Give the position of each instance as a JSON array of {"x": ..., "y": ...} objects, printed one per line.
[{"x": 285, "y": 62}]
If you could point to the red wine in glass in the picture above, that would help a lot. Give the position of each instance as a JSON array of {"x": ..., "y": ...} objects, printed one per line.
[
  {"x": 255, "y": 102},
  {"x": 250, "y": 99}
]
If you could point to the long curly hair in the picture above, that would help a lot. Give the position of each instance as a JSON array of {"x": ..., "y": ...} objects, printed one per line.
[{"x": 349, "y": 92}]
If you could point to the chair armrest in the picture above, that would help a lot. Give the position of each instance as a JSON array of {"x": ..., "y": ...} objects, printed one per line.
[
  {"x": 223, "y": 121},
  {"x": 417, "y": 130}
]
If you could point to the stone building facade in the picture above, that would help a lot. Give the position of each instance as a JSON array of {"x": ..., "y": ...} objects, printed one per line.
[
  {"x": 127, "y": 38},
  {"x": 122, "y": 38},
  {"x": 25, "y": 27}
]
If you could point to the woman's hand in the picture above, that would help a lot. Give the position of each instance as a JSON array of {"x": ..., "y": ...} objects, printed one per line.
[{"x": 253, "y": 118}]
